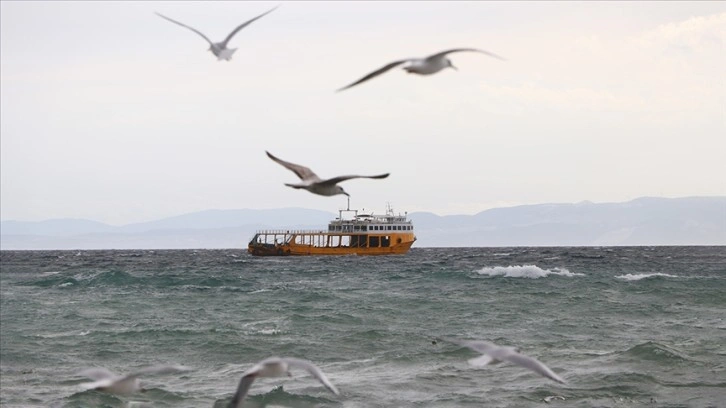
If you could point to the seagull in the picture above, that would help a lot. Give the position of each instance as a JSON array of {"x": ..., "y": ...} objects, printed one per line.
[
  {"x": 124, "y": 384},
  {"x": 422, "y": 66},
  {"x": 277, "y": 367},
  {"x": 220, "y": 49},
  {"x": 314, "y": 184},
  {"x": 493, "y": 354}
]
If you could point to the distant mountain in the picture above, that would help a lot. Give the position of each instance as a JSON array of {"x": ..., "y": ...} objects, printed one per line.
[
  {"x": 203, "y": 229},
  {"x": 68, "y": 226},
  {"x": 643, "y": 221}
]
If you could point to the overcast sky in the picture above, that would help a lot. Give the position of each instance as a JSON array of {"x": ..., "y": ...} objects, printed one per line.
[{"x": 113, "y": 114}]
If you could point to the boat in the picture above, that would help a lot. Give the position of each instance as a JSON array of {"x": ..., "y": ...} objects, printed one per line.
[{"x": 352, "y": 234}]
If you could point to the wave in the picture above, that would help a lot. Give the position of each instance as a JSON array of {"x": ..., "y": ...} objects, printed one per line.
[
  {"x": 278, "y": 396},
  {"x": 639, "y": 276},
  {"x": 651, "y": 350},
  {"x": 525, "y": 271},
  {"x": 64, "y": 334}
]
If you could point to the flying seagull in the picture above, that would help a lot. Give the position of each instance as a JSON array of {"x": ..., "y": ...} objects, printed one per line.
[
  {"x": 422, "y": 66},
  {"x": 314, "y": 184},
  {"x": 493, "y": 354},
  {"x": 109, "y": 382},
  {"x": 220, "y": 49},
  {"x": 277, "y": 367}
]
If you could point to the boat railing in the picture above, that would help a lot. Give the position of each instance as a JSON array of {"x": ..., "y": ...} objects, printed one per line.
[
  {"x": 373, "y": 220},
  {"x": 323, "y": 232},
  {"x": 290, "y": 232}
]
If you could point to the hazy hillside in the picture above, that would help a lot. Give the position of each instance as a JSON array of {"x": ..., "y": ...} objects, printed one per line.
[{"x": 644, "y": 221}]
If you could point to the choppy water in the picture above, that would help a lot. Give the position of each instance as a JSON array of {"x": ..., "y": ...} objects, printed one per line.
[{"x": 626, "y": 327}]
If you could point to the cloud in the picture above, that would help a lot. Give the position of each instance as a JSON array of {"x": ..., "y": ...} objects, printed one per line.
[{"x": 696, "y": 34}]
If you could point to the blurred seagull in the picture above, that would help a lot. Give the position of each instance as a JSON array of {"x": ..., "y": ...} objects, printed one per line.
[
  {"x": 276, "y": 367},
  {"x": 107, "y": 381},
  {"x": 314, "y": 184},
  {"x": 422, "y": 66},
  {"x": 220, "y": 48},
  {"x": 493, "y": 354}
]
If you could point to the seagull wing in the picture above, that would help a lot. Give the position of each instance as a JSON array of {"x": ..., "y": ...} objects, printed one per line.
[
  {"x": 313, "y": 370},
  {"x": 98, "y": 373},
  {"x": 375, "y": 73},
  {"x": 186, "y": 26},
  {"x": 534, "y": 365},
  {"x": 243, "y": 25},
  {"x": 482, "y": 360},
  {"x": 443, "y": 53},
  {"x": 481, "y": 346},
  {"x": 104, "y": 383},
  {"x": 303, "y": 172},
  {"x": 244, "y": 386},
  {"x": 336, "y": 180}
]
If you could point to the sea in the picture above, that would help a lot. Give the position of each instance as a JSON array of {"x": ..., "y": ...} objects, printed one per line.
[{"x": 624, "y": 326}]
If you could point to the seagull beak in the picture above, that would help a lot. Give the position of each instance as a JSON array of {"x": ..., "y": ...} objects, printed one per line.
[{"x": 452, "y": 66}]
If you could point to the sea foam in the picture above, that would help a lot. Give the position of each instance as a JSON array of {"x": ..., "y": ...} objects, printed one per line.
[
  {"x": 525, "y": 271},
  {"x": 639, "y": 276}
]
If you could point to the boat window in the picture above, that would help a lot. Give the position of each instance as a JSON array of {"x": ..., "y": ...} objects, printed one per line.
[
  {"x": 374, "y": 241},
  {"x": 363, "y": 227},
  {"x": 334, "y": 240}
]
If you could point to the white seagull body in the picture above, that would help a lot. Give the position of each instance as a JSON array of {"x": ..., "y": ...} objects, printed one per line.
[
  {"x": 107, "y": 381},
  {"x": 422, "y": 66},
  {"x": 277, "y": 367},
  {"x": 493, "y": 354},
  {"x": 219, "y": 49},
  {"x": 316, "y": 185}
]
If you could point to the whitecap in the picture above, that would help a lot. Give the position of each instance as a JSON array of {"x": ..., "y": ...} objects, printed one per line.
[
  {"x": 525, "y": 271},
  {"x": 259, "y": 291},
  {"x": 639, "y": 276},
  {"x": 64, "y": 334},
  {"x": 270, "y": 331}
]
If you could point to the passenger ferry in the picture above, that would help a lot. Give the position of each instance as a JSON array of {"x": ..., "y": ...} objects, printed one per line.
[{"x": 360, "y": 234}]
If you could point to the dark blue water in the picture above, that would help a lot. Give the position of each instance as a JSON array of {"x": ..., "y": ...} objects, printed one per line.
[{"x": 626, "y": 327}]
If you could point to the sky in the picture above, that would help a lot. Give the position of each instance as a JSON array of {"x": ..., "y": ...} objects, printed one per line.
[{"x": 111, "y": 113}]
